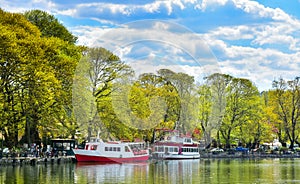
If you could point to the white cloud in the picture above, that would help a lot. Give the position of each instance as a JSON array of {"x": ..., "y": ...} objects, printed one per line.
[
  {"x": 258, "y": 51},
  {"x": 259, "y": 65},
  {"x": 273, "y": 33},
  {"x": 256, "y": 9},
  {"x": 151, "y": 45},
  {"x": 233, "y": 32},
  {"x": 208, "y": 3},
  {"x": 87, "y": 35},
  {"x": 121, "y": 9},
  {"x": 22, "y": 6}
]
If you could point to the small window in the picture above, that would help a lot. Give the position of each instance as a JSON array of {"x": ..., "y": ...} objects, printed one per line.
[
  {"x": 66, "y": 146},
  {"x": 166, "y": 149},
  {"x": 58, "y": 145},
  {"x": 106, "y": 148},
  {"x": 188, "y": 140},
  {"x": 118, "y": 149},
  {"x": 94, "y": 147},
  {"x": 127, "y": 149},
  {"x": 160, "y": 149}
]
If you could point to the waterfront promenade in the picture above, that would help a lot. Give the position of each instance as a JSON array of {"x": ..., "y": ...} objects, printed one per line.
[
  {"x": 36, "y": 160},
  {"x": 250, "y": 155},
  {"x": 7, "y": 161}
]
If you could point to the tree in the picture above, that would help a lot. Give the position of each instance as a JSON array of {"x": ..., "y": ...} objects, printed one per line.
[
  {"x": 16, "y": 34},
  {"x": 287, "y": 97},
  {"x": 101, "y": 68},
  {"x": 255, "y": 127},
  {"x": 241, "y": 103},
  {"x": 49, "y": 25},
  {"x": 158, "y": 99},
  {"x": 218, "y": 84},
  {"x": 205, "y": 112},
  {"x": 36, "y": 73},
  {"x": 184, "y": 85}
]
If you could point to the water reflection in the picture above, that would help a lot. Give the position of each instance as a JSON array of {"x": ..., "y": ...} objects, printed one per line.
[
  {"x": 46, "y": 174},
  {"x": 111, "y": 173},
  {"x": 182, "y": 171}
]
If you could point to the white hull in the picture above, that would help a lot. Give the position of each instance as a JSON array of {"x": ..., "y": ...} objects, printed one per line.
[
  {"x": 174, "y": 156},
  {"x": 111, "y": 152}
]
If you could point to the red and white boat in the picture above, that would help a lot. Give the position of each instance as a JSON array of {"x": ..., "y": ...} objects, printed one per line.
[
  {"x": 173, "y": 146},
  {"x": 116, "y": 151}
]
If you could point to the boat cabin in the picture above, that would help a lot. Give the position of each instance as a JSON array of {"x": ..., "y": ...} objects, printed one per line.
[{"x": 64, "y": 145}]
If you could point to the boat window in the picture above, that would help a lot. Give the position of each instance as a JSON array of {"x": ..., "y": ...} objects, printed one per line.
[
  {"x": 127, "y": 149},
  {"x": 187, "y": 149},
  {"x": 114, "y": 149},
  {"x": 106, "y": 148},
  {"x": 160, "y": 149},
  {"x": 118, "y": 149},
  {"x": 86, "y": 147},
  {"x": 175, "y": 149},
  {"x": 93, "y": 147},
  {"x": 188, "y": 140}
]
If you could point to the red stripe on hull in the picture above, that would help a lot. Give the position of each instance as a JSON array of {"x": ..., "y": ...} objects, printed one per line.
[{"x": 87, "y": 158}]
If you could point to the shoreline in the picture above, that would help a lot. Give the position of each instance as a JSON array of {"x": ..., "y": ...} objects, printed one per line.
[
  {"x": 249, "y": 155},
  {"x": 19, "y": 161},
  {"x": 7, "y": 161}
]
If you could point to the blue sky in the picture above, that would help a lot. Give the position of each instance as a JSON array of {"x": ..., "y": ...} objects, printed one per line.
[{"x": 257, "y": 40}]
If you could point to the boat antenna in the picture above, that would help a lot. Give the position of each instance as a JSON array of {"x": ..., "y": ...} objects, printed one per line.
[
  {"x": 98, "y": 136},
  {"x": 176, "y": 125}
]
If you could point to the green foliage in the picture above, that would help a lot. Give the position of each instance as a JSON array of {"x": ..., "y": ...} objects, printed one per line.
[
  {"x": 186, "y": 103},
  {"x": 232, "y": 106},
  {"x": 96, "y": 73},
  {"x": 285, "y": 105},
  {"x": 17, "y": 50},
  {"x": 44, "y": 92},
  {"x": 49, "y": 25},
  {"x": 205, "y": 112},
  {"x": 35, "y": 81}
]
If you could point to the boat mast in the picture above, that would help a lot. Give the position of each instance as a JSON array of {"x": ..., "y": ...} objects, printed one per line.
[{"x": 98, "y": 136}]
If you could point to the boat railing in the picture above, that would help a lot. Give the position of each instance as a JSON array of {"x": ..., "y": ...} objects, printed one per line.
[{"x": 140, "y": 152}]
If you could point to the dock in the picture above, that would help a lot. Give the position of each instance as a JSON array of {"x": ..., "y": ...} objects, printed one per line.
[{"x": 36, "y": 160}]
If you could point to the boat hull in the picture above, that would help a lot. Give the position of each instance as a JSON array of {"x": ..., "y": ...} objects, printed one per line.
[
  {"x": 96, "y": 158},
  {"x": 174, "y": 156}
]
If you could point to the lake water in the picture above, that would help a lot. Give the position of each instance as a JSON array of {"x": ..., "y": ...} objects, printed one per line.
[{"x": 183, "y": 171}]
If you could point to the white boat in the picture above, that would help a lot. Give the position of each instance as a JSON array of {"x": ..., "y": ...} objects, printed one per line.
[
  {"x": 174, "y": 146},
  {"x": 115, "y": 151}
]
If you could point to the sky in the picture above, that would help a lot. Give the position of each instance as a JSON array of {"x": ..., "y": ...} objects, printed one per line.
[{"x": 256, "y": 40}]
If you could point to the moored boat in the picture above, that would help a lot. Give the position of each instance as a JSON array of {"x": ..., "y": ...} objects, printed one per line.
[
  {"x": 175, "y": 146},
  {"x": 115, "y": 151}
]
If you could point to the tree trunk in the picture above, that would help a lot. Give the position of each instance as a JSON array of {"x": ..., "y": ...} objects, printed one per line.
[{"x": 31, "y": 133}]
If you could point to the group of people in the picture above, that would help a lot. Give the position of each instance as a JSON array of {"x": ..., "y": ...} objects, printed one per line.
[
  {"x": 41, "y": 151},
  {"x": 34, "y": 150}
]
